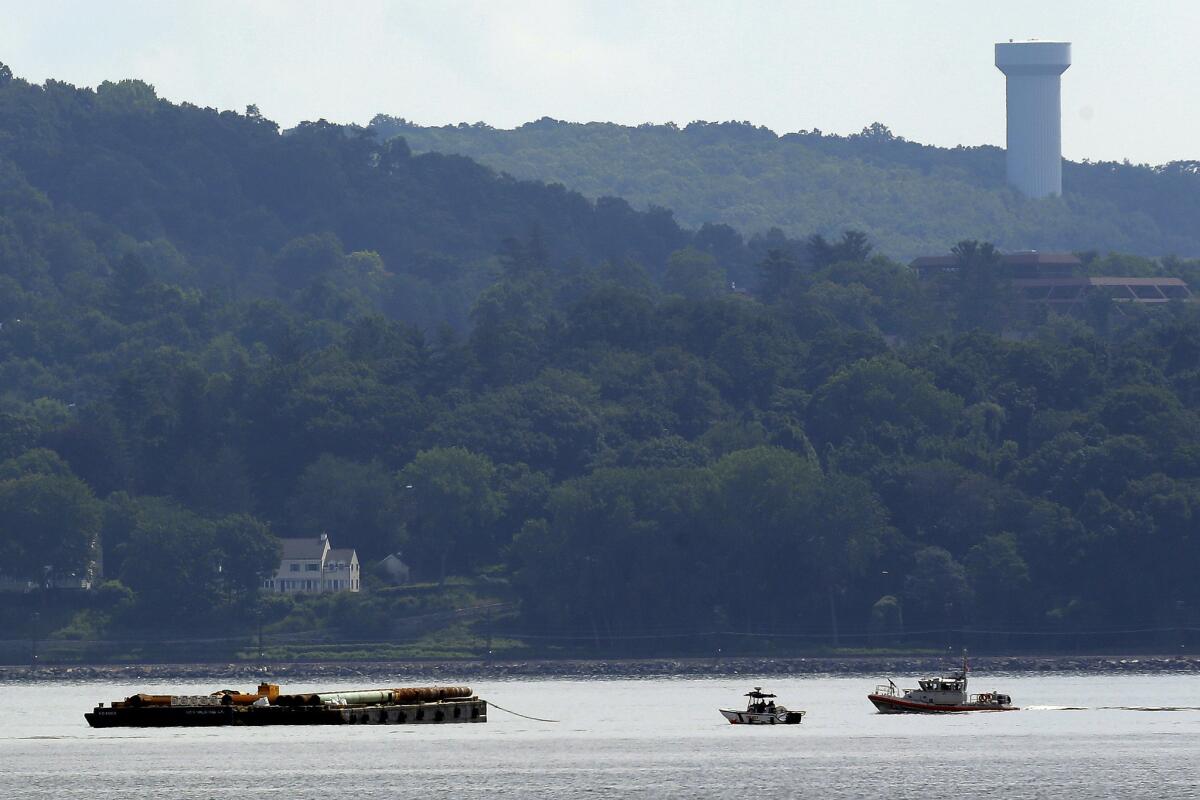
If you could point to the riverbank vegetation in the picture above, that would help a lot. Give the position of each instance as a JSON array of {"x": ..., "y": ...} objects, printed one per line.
[{"x": 213, "y": 335}]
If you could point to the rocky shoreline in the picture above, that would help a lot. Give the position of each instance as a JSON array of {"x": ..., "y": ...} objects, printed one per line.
[{"x": 418, "y": 671}]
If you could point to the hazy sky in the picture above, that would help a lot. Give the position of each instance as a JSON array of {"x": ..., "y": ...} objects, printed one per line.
[{"x": 923, "y": 67}]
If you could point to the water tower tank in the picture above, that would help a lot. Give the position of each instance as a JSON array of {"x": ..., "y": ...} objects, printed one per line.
[{"x": 1033, "y": 71}]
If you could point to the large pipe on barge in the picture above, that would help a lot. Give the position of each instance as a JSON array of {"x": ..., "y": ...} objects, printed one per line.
[{"x": 411, "y": 694}]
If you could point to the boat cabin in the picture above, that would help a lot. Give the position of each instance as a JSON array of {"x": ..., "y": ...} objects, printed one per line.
[
  {"x": 947, "y": 690},
  {"x": 953, "y": 684},
  {"x": 760, "y": 702}
]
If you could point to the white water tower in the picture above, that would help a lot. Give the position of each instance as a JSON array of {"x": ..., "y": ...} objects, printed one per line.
[{"x": 1033, "y": 71}]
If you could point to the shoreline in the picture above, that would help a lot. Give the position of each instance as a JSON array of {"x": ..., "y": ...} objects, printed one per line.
[{"x": 882, "y": 666}]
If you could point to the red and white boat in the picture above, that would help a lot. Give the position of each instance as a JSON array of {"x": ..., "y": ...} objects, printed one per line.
[{"x": 943, "y": 695}]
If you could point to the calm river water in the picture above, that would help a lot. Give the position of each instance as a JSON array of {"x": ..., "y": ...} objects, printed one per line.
[{"x": 1079, "y": 736}]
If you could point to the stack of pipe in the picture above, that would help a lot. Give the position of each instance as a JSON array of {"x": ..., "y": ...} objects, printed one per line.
[{"x": 374, "y": 697}]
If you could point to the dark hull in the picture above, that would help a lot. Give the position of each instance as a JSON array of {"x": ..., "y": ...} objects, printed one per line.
[
  {"x": 473, "y": 710},
  {"x": 763, "y": 718},
  {"x": 895, "y": 705}
]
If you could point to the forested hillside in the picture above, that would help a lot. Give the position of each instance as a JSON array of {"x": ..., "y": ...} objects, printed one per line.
[
  {"x": 212, "y": 334},
  {"x": 909, "y": 198},
  {"x": 222, "y": 201}
]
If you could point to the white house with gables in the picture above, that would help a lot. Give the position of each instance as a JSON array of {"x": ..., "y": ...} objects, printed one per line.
[{"x": 310, "y": 566}]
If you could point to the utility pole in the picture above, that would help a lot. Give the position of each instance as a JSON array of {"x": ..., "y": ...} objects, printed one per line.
[{"x": 44, "y": 589}]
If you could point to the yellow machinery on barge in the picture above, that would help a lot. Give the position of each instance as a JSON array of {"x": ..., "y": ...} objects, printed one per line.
[{"x": 267, "y": 706}]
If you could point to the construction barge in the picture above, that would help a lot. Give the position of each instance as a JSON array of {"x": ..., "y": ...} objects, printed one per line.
[{"x": 267, "y": 706}]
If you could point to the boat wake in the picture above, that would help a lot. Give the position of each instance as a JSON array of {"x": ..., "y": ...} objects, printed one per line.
[
  {"x": 63, "y": 738},
  {"x": 1056, "y": 708},
  {"x": 1113, "y": 708},
  {"x": 1149, "y": 708}
]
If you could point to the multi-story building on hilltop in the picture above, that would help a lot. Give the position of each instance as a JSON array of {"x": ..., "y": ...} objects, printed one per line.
[{"x": 1056, "y": 280}]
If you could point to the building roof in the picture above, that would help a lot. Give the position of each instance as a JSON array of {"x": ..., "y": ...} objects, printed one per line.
[
  {"x": 313, "y": 548},
  {"x": 1070, "y": 290},
  {"x": 342, "y": 554},
  {"x": 1035, "y": 257},
  {"x": 1099, "y": 280}
]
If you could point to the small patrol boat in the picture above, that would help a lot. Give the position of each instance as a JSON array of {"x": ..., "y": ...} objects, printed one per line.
[
  {"x": 941, "y": 695},
  {"x": 761, "y": 709}
]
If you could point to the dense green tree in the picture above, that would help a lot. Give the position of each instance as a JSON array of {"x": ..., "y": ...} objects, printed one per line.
[
  {"x": 617, "y": 554},
  {"x": 1000, "y": 577},
  {"x": 172, "y": 563},
  {"x": 307, "y": 258},
  {"x": 453, "y": 504},
  {"x": 693, "y": 274},
  {"x": 983, "y": 291},
  {"x": 887, "y": 620},
  {"x": 844, "y": 540},
  {"x": 883, "y": 400},
  {"x": 776, "y": 273},
  {"x": 360, "y": 505},
  {"x": 49, "y": 520},
  {"x": 937, "y": 592},
  {"x": 853, "y": 247},
  {"x": 765, "y": 507},
  {"x": 249, "y": 553},
  {"x": 17, "y": 434}
]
